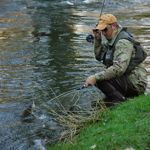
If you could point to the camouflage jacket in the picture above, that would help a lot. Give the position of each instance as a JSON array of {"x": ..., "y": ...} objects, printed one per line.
[{"x": 123, "y": 53}]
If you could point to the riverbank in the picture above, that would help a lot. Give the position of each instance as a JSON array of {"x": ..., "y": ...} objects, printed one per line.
[{"x": 124, "y": 126}]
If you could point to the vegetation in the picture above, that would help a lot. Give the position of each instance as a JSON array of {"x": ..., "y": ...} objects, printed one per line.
[{"x": 124, "y": 126}]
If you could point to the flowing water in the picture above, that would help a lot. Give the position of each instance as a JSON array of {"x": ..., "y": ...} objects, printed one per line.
[{"x": 43, "y": 53}]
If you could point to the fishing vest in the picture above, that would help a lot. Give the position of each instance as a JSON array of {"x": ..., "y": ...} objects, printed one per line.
[{"x": 140, "y": 53}]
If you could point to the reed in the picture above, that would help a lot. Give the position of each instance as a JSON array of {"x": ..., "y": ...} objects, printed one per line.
[{"x": 73, "y": 121}]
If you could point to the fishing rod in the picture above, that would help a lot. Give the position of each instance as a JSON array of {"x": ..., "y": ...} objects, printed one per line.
[
  {"x": 90, "y": 37},
  {"x": 102, "y": 8}
]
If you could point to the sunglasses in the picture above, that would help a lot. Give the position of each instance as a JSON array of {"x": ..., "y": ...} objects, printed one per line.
[
  {"x": 106, "y": 29},
  {"x": 96, "y": 30}
]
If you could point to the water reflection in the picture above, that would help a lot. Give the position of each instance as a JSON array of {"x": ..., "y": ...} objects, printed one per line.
[{"x": 43, "y": 51}]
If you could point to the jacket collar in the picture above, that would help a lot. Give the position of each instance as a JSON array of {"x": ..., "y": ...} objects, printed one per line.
[{"x": 111, "y": 42}]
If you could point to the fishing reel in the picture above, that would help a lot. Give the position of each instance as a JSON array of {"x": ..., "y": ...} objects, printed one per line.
[{"x": 90, "y": 38}]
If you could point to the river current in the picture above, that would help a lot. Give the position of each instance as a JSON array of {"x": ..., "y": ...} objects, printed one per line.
[{"x": 43, "y": 52}]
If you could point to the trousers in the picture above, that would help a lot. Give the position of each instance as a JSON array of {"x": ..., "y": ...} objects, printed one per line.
[{"x": 117, "y": 90}]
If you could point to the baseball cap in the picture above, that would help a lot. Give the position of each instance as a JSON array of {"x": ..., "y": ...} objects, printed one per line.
[{"x": 105, "y": 20}]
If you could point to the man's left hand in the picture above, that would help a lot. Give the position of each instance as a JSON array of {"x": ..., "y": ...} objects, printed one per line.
[{"x": 90, "y": 81}]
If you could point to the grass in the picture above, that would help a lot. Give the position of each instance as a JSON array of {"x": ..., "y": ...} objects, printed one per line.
[{"x": 124, "y": 126}]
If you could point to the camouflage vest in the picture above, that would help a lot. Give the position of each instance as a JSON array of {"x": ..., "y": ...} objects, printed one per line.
[{"x": 139, "y": 57}]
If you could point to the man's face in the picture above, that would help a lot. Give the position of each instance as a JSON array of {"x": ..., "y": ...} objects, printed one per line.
[{"x": 107, "y": 32}]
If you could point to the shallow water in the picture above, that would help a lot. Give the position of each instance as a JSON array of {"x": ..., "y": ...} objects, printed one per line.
[{"x": 43, "y": 51}]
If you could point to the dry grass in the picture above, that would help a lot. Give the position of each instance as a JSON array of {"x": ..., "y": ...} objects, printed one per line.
[{"x": 73, "y": 121}]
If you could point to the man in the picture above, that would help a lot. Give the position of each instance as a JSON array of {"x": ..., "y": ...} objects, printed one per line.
[{"x": 123, "y": 57}]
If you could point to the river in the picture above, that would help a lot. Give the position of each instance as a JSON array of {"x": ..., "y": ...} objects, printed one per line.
[{"x": 43, "y": 51}]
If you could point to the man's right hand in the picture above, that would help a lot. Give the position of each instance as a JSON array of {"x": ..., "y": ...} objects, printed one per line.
[{"x": 90, "y": 81}]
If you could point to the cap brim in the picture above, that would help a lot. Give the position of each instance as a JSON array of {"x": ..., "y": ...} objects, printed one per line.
[{"x": 101, "y": 26}]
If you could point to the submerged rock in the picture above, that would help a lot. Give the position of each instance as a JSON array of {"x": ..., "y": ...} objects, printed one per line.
[{"x": 39, "y": 144}]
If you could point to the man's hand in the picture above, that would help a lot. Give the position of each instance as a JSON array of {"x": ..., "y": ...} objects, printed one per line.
[
  {"x": 97, "y": 34},
  {"x": 90, "y": 81}
]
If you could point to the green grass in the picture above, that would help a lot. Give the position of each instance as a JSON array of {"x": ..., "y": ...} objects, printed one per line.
[{"x": 127, "y": 125}]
